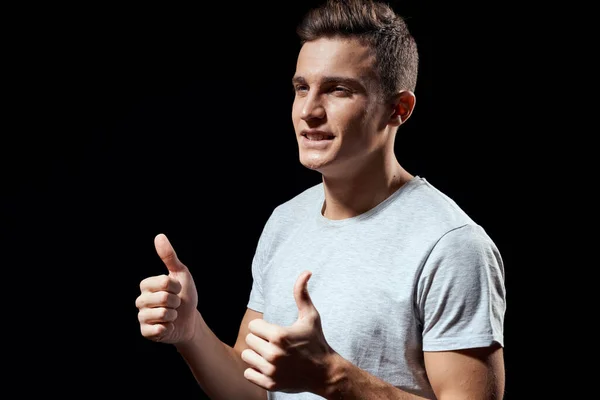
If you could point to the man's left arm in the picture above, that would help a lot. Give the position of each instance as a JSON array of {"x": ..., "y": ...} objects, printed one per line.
[{"x": 476, "y": 374}]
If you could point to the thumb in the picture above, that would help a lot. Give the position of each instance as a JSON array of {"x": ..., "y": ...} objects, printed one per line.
[
  {"x": 303, "y": 300},
  {"x": 167, "y": 253}
]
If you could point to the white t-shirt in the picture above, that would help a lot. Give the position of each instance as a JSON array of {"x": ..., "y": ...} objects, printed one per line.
[{"x": 413, "y": 274}]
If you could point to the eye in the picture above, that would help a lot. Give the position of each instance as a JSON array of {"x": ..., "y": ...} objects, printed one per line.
[
  {"x": 341, "y": 91},
  {"x": 300, "y": 88}
]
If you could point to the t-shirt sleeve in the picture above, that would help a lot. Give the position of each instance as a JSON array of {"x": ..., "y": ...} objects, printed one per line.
[
  {"x": 256, "y": 300},
  {"x": 461, "y": 297}
]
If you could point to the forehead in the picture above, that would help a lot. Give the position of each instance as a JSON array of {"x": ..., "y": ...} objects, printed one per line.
[{"x": 335, "y": 57}]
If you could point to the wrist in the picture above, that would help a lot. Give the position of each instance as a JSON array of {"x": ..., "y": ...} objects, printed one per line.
[
  {"x": 336, "y": 377},
  {"x": 189, "y": 341}
]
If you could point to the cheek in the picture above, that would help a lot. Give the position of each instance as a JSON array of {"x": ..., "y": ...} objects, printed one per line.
[
  {"x": 347, "y": 114},
  {"x": 351, "y": 124}
]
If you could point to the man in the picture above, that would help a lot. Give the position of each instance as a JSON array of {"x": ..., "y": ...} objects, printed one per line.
[{"x": 370, "y": 285}]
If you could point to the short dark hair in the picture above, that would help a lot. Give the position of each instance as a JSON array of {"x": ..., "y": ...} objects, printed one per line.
[{"x": 378, "y": 26}]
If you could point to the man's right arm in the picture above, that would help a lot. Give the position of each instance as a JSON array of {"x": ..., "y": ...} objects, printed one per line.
[
  {"x": 168, "y": 313},
  {"x": 218, "y": 367}
]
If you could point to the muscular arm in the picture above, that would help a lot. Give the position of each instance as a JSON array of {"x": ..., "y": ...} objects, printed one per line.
[
  {"x": 218, "y": 367},
  {"x": 475, "y": 374},
  {"x": 467, "y": 374}
]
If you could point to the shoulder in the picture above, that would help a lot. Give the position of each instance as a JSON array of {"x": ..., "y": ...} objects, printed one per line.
[
  {"x": 469, "y": 253},
  {"x": 469, "y": 237},
  {"x": 433, "y": 211}
]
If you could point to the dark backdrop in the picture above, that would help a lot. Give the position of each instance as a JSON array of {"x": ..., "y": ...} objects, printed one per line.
[{"x": 132, "y": 121}]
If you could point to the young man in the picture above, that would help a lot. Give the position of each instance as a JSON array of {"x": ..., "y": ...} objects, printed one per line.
[{"x": 370, "y": 285}]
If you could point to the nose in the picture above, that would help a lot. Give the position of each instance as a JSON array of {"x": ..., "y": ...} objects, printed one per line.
[{"x": 312, "y": 108}]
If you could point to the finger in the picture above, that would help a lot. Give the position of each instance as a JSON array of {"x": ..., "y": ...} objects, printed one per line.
[
  {"x": 254, "y": 360},
  {"x": 303, "y": 300},
  {"x": 159, "y": 283},
  {"x": 263, "y": 329},
  {"x": 266, "y": 350},
  {"x": 167, "y": 253},
  {"x": 157, "y": 315},
  {"x": 259, "y": 379},
  {"x": 156, "y": 331},
  {"x": 157, "y": 299}
]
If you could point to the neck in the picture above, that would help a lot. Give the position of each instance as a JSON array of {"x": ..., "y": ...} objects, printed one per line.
[{"x": 355, "y": 193}]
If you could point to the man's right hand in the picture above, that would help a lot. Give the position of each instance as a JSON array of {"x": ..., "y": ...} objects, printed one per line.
[{"x": 168, "y": 304}]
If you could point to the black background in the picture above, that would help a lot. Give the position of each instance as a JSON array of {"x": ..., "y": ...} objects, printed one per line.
[{"x": 127, "y": 122}]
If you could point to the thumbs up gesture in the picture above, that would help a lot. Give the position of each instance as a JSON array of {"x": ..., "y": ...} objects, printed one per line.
[
  {"x": 290, "y": 359},
  {"x": 167, "y": 303}
]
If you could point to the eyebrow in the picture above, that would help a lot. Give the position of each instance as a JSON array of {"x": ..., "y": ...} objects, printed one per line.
[{"x": 330, "y": 79}]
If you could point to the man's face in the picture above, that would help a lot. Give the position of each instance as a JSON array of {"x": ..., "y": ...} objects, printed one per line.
[{"x": 338, "y": 114}]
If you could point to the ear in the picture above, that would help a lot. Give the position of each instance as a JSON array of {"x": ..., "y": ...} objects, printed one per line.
[{"x": 404, "y": 104}]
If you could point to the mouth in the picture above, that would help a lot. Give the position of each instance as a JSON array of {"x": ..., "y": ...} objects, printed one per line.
[{"x": 317, "y": 136}]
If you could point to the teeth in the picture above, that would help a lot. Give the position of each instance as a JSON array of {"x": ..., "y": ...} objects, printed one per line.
[{"x": 317, "y": 137}]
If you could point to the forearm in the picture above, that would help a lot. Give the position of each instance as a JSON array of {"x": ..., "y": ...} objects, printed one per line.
[
  {"x": 348, "y": 382},
  {"x": 217, "y": 367}
]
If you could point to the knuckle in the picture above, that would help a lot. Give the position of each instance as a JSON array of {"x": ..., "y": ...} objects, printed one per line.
[
  {"x": 154, "y": 283},
  {"x": 171, "y": 315},
  {"x": 271, "y": 356},
  {"x": 279, "y": 337},
  {"x": 139, "y": 302},
  {"x": 163, "y": 298},
  {"x": 270, "y": 385},
  {"x": 163, "y": 281},
  {"x": 151, "y": 331},
  {"x": 175, "y": 301},
  {"x": 269, "y": 370},
  {"x": 144, "y": 284},
  {"x": 162, "y": 313},
  {"x": 280, "y": 334},
  {"x": 143, "y": 316}
]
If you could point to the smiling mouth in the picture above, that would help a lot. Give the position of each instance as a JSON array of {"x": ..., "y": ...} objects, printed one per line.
[{"x": 317, "y": 136}]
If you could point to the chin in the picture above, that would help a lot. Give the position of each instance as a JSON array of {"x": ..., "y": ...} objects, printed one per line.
[{"x": 314, "y": 163}]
